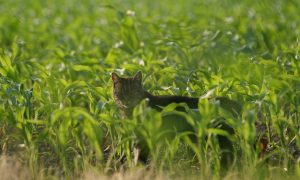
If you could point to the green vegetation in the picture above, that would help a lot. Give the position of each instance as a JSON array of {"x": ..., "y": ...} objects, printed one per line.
[{"x": 58, "y": 117}]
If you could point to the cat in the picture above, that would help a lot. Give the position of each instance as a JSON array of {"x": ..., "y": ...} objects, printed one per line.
[{"x": 129, "y": 92}]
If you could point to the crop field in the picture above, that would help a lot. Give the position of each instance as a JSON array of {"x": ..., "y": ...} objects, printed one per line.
[{"x": 58, "y": 118}]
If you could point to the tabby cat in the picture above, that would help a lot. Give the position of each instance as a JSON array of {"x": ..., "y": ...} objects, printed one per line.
[{"x": 129, "y": 92}]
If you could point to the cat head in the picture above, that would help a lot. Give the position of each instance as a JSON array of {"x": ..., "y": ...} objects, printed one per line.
[{"x": 128, "y": 91}]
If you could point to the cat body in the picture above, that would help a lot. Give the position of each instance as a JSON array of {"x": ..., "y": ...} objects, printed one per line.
[{"x": 129, "y": 92}]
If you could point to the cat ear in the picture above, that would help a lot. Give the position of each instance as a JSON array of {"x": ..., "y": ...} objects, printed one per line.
[
  {"x": 138, "y": 76},
  {"x": 114, "y": 77}
]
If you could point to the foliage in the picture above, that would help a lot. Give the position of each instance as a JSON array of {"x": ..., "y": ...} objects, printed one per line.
[{"x": 57, "y": 111}]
